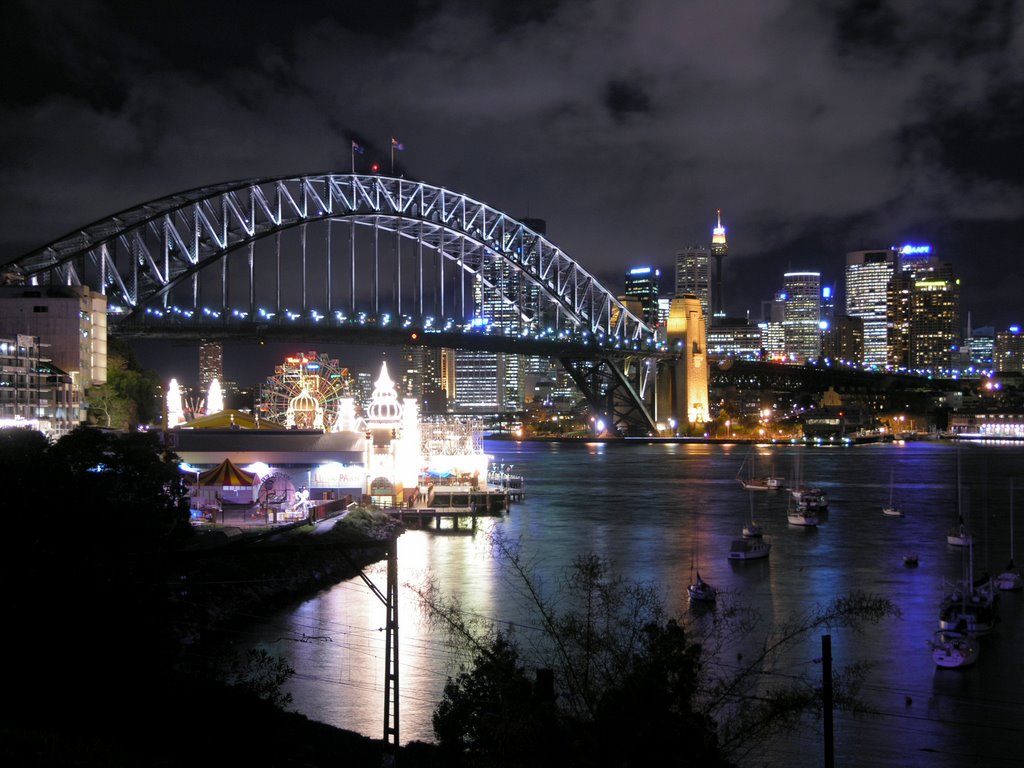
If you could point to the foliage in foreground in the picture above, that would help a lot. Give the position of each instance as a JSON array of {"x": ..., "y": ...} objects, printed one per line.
[{"x": 610, "y": 679}]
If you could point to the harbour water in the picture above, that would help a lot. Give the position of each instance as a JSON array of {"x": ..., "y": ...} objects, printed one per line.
[{"x": 655, "y": 511}]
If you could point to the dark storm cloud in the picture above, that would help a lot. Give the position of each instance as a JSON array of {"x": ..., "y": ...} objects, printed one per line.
[
  {"x": 816, "y": 127},
  {"x": 623, "y": 98}
]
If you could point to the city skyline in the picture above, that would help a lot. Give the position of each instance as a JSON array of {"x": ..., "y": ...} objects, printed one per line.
[{"x": 816, "y": 131}]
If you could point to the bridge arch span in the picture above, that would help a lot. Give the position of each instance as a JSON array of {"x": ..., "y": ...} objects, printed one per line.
[{"x": 329, "y": 246}]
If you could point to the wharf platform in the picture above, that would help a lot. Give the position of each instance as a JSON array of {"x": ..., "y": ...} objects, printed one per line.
[{"x": 447, "y": 519}]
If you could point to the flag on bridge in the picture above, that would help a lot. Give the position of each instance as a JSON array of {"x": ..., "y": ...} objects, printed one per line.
[
  {"x": 357, "y": 148},
  {"x": 397, "y": 144}
]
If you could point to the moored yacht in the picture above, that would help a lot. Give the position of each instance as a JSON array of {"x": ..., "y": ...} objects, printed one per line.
[{"x": 749, "y": 548}]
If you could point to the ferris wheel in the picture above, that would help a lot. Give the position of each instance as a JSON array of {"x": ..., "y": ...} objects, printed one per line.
[{"x": 305, "y": 391}]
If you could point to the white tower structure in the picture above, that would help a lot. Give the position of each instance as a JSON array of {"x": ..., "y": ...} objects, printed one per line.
[{"x": 393, "y": 452}]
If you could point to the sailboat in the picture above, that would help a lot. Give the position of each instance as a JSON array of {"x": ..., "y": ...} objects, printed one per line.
[
  {"x": 752, "y": 483},
  {"x": 959, "y": 535},
  {"x": 807, "y": 498},
  {"x": 801, "y": 514},
  {"x": 700, "y": 591},
  {"x": 971, "y": 605},
  {"x": 1010, "y": 579},
  {"x": 753, "y": 545},
  {"x": 892, "y": 510}
]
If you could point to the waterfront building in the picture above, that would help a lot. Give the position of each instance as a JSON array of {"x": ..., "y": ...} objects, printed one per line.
[
  {"x": 693, "y": 276},
  {"x": 378, "y": 456},
  {"x": 719, "y": 250},
  {"x": 71, "y": 321},
  {"x": 642, "y": 285},
  {"x": 801, "y": 329},
  {"x": 867, "y": 282},
  {"x": 1008, "y": 354},
  {"x": 211, "y": 362},
  {"x": 685, "y": 389},
  {"x": 34, "y": 393}
]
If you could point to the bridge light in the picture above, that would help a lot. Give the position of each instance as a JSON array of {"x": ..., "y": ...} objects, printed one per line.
[
  {"x": 414, "y": 336},
  {"x": 375, "y": 167}
]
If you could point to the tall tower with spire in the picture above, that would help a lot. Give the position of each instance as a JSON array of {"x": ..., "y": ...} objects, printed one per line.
[{"x": 719, "y": 250}]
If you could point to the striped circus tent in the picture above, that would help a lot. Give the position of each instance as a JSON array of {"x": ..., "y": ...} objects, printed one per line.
[{"x": 227, "y": 474}]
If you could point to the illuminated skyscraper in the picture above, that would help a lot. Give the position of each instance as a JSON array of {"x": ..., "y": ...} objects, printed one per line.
[
  {"x": 642, "y": 285},
  {"x": 935, "y": 322},
  {"x": 867, "y": 282},
  {"x": 1008, "y": 354},
  {"x": 719, "y": 250},
  {"x": 923, "y": 310},
  {"x": 800, "y": 325},
  {"x": 693, "y": 275},
  {"x": 211, "y": 363}
]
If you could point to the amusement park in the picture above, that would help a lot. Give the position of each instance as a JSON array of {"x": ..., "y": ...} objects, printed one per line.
[{"x": 310, "y": 450}]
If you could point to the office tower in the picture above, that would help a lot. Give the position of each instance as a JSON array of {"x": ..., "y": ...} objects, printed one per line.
[
  {"x": 479, "y": 378},
  {"x": 735, "y": 337},
  {"x": 801, "y": 329},
  {"x": 981, "y": 345},
  {"x": 844, "y": 339},
  {"x": 1008, "y": 354},
  {"x": 773, "y": 339},
  {"x": 686, "y": 389},
  {"x": 693, "y": 275},
  {"x": 935, "y": 323},
  {"x": 664, "y": 306},
  {"x": 719, "y": 250},
  {"x": 828, "y": 304},
  {"x": 923, "y": 310},
  {"x": 867, "y": 282},
  {"x": 211, "y": 363},
  {"x": 642, "y": 284}
]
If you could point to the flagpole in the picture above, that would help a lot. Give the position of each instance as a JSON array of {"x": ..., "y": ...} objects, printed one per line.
[
  {"x": 392, "y": 157},
  {"x": 352, "y": 151}
]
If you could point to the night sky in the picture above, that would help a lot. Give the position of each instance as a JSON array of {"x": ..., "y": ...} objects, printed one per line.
[{"x": 817, "y": 128}]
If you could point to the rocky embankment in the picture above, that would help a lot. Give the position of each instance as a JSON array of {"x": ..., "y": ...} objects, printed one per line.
[{"x": 223, "y": 579}]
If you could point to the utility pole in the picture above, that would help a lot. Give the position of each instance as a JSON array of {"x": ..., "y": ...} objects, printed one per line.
[
  {"x": 826, "y": 695},
  {"x": 390, "y": 601}
]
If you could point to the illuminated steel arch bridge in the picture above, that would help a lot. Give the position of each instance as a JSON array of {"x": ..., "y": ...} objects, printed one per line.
[{"x": 356, "y": 258}]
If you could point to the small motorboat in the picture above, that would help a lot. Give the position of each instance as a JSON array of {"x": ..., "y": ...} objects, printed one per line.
[
  {"x": 910, "y": 559},
  {"x": 749, "y": 548},
  {"x": 954, "y": 648}
]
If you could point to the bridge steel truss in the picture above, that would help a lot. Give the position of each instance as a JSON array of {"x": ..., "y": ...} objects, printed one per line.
[
  {"x": 139, "y": 256},
  {"x": 173, "y": 264}
]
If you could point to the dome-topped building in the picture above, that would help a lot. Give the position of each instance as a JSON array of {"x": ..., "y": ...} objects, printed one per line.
[
  {"x": 384, "y": 411},
  {"x": 393, "y": 452}
]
